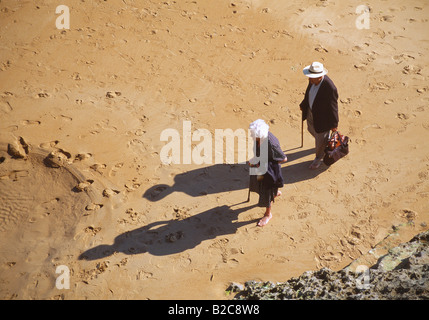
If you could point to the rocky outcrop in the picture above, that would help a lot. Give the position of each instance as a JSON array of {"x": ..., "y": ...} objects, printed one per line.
[{"x": 402, "y": 273}]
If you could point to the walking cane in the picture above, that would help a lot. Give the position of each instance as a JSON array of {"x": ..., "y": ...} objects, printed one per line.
[{"x": 302, "y": 131}]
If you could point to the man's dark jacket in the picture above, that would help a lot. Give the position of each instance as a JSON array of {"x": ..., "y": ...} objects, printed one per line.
[{"x": 325, "y": 106}]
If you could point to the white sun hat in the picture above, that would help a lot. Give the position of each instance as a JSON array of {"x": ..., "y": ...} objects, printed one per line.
[{"x": 315, "y": 70}]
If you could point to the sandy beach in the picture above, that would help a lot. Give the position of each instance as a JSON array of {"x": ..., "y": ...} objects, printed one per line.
[{"x": 82, "y": 110}]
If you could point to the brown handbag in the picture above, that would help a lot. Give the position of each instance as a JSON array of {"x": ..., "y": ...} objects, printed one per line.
[{"x": 336, "y": 148}]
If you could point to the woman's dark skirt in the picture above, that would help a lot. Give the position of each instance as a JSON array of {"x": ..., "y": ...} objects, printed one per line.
[{"x": 266, "y": 195}]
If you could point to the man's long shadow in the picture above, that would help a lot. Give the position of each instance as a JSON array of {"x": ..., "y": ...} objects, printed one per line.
[
  {"x": 213, "y": 179},
  {"x": 162, "y": 238}
]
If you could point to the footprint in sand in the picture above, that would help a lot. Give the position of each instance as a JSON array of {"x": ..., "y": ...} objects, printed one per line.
[
  {"x": 58, "y": 158},
  {"x": 110, "y": 192},
  {"x": 379, "y": 86},
  {"x": 15, "y": 175},
  {"x": 6, "y": 106},
  {"x": 92, "y": 230},
  {"x": 320, "y": 48},
  {"x": 93, "y": 206},
  {"x": 83, "y": 186},
  {"x": 303, "y": 215},
  {"x": 48, "y": 145},
  {"x": 143, "y": 275},
  {"x": 402, "y": 57},
  {"x": 408, "y": 214},
  {"x": 30, "y": 122},
  {"x": 361, "y": 142},
  {"x": 360, "y": 66},
  {"x": 82, "y": 156},
  {"x": 67, "y": 118},
  {"x": 173, "y": 237},
  {"x": 113, "y": 94},
  {"x": 132, "y": 185},
  {"x": 181, "y": 213},
  {"x": 105, "y": 124},
  {"x": 99, "y": 167},
  {"x": 402, "y": 116},
  {"x": 42, "y": 95},
  {"x": 412, "y": 69},
  {"x": 134, "y": 217},
  {"x": 352, "y": 113},
  {"x": 387, "y": 18},
  {"x": 233, "y": 262}
]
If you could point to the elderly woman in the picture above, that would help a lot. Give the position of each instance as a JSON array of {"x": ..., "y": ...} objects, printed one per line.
[{"x": 268, "y": 184}]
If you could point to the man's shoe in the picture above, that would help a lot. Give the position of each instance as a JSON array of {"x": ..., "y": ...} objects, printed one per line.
[{"x": 316, "y": 164}]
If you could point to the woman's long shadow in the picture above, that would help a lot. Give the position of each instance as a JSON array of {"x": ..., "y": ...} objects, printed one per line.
[
  {"x": 177, "y": 235},
  {"x": 173, "y": 236}
]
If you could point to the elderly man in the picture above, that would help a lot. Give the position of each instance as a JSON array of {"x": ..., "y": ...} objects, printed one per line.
[{"x": 319, "y": 108}]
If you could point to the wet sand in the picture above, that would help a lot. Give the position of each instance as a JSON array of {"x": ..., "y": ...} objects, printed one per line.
[{"x": 83, "y": 110}]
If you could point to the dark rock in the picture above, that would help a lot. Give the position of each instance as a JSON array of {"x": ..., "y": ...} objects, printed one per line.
[{"x": 402, "y": 274}]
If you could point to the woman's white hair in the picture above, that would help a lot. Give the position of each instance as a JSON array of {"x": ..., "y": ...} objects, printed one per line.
[{"x": 259, "y": 129}]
